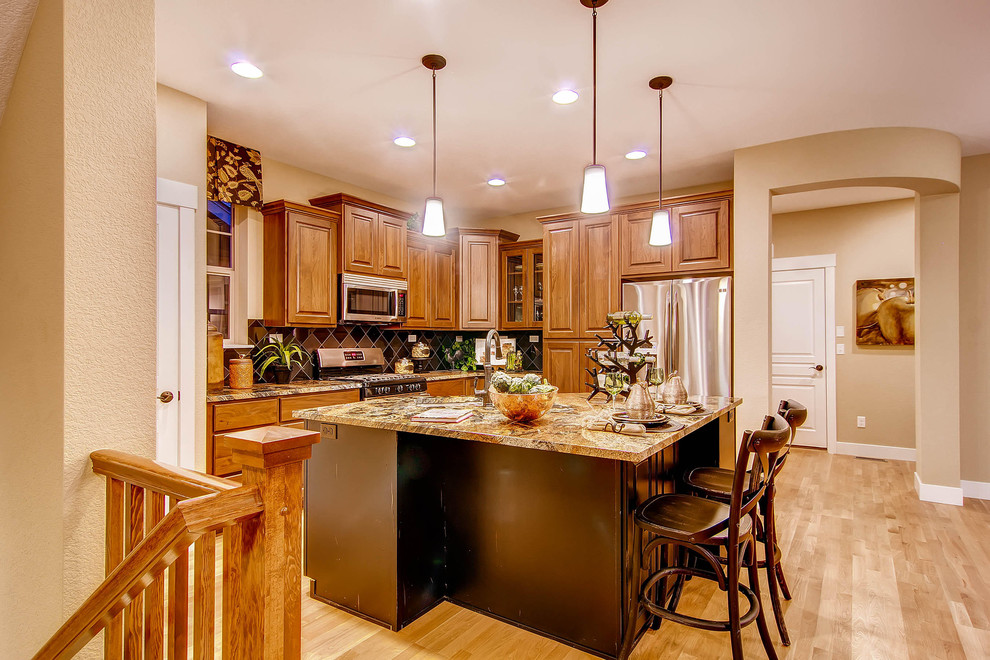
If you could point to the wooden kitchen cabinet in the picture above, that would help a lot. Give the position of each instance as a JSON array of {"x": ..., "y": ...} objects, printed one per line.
[
  {"x": 300, "y": 265},
  {"x": 373, "y": 236},
  {"x": 478, "y": 276},
  {"x": 521, "y": 286},
  {"x": 432, "y": 279},
  {"x": 700, "y": 229},
  {"x": 564, "y": 364},
  {"x": 233, "y": 416},
  {"x": 582, "y": 279},
  {"x": 700, "y": 234},
  {"x": 636, "y": 255}
]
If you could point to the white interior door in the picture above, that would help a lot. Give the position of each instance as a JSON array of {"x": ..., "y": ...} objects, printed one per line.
[
  {"x": 176, "y": 323},
  {"x": 799, "y": 348}
]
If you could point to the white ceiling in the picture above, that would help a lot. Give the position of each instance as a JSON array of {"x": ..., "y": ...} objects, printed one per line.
[
  {"x": 829, "y": 197},
  {"x": 343, "y": 78}
]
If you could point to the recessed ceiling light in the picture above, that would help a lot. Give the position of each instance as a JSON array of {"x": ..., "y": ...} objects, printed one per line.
[
  {"x": 404, "y": 141},
  {"x": 496, "y": 181},
  {"x": 636, "y": 154},
  {"x": 246, "y": 70},
  {"x": 565, "y": 96}
]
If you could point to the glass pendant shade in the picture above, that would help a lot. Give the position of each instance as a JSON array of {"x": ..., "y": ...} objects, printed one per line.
[
  {"x": 433, "y": 217},
  {"x": 660, "y": 229},
  {"x": 594, "y": 193}
]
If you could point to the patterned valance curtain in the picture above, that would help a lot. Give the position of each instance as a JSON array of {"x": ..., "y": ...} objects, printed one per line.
[{"x": 233, "y": 173}]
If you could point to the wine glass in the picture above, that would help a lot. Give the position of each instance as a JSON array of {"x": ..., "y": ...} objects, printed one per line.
[
  {"x": 615, "y": 382},
  {"x": 654, "y": 376}
]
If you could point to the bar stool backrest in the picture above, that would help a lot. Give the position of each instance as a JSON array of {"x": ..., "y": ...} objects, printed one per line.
[
  {"x": 796, "y": 414},
  {"x": 764, "y": 446}
]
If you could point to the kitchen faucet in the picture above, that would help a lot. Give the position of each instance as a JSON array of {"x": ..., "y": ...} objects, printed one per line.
[{"x": 486, "y": 400}]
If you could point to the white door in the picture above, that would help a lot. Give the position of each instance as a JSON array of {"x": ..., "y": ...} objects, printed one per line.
[
  {"x": 176, "y": 323},
  {"x": 799, "y": 341}
]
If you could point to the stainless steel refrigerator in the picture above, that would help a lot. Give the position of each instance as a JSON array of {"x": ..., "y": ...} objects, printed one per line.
[{"x": 691, "y": 329}]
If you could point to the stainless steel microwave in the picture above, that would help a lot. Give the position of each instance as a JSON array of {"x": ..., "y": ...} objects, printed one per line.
[{"x": 368, "y": 299}]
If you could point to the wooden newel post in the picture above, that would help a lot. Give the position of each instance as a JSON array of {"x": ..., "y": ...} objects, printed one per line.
[{"x": 264, "y": 613}]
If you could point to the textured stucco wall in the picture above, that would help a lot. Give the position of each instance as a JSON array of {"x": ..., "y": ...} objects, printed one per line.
[
  {"x": 869, "y": 241},
  {"x": 974, "y": 316},
  {"x": 926, "y": 161},
  {"x": 110, "y": 262},
  {"x": 181, "y": 144},
  {"x": 30, "y": 344}
]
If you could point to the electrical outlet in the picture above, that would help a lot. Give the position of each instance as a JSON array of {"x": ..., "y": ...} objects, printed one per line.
[
  {"x": 458, "y": 338},
  {"x": 534, "y": 339},
  {"x": 840, "y": 349},
  {"x": 412, "y": 339},
  {"x": 840, "y": 331},
  {"x": 861, "y": 422},
  {"x": 275, "y": 336}
]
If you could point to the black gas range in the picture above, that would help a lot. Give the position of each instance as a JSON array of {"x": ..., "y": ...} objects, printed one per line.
[{"x": 366, "y": 367}]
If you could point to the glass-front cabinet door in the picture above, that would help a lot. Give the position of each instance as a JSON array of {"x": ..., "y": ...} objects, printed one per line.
[
  {"x": 522, "y": 286},
  {"x": 514, "y": 289},
  {"x": 536, "y": 259}
]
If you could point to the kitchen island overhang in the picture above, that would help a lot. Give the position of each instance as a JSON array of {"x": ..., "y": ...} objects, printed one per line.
[{"x": 529, "y": 523}]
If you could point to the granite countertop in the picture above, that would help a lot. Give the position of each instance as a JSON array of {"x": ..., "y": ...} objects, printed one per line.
[
  {"x": 263, "y": 390},
  {"x": 561, "y": 429}
]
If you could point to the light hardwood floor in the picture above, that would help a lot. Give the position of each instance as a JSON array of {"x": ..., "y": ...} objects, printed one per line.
[{"x": 874, "y": 574}]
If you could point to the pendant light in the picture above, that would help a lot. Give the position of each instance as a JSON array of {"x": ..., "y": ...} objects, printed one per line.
[
  {"x": 433, "y": 224},
  {"x": 660, "y": 228},
  {"x": 594, "y": 192}
]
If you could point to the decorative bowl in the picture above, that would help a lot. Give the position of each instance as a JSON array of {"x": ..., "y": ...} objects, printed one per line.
[{"x": 523, "y": 407}]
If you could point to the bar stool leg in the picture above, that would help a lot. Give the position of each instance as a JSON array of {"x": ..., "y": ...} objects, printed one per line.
[
  {"x": 732, "y": 592},
  {"x": 761, "y": 619},
  {"x": 770, "y": 554}
]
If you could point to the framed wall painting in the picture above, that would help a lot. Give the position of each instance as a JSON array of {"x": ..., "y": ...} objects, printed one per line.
[{"x": 885, "y": 312}]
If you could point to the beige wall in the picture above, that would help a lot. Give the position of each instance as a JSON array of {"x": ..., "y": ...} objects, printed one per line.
[
  {"x": 870, "y": 241},
  {"x": 529, "y": 228},
  {"x": 923, "y": 160},
  {"x": 974, "y": 317},
  {"x": 181, "y": 156},
  {"x": 31, "y": 340},
  {"x": 77, "y": 171}
]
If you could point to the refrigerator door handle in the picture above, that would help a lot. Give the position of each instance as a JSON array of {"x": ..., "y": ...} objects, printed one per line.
[{"x": 675, "y": 323}]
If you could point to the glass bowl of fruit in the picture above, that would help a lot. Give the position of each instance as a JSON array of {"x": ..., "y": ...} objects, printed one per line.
[{"x": 523, "y": 399}]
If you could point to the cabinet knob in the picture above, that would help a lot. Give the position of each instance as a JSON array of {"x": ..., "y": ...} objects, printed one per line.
[{"x": 165, "y": 396}]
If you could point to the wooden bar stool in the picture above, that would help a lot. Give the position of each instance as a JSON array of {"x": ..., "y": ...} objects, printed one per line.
[
  {"x": 716, "y": 484},
  {"x": 694, "y": 525}
]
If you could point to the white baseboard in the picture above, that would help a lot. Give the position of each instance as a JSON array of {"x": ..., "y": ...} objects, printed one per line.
[
  {"x": 978, "y": 490},
  {"x": 876, "y": 451},
  {"x": 938, "y": 494}
]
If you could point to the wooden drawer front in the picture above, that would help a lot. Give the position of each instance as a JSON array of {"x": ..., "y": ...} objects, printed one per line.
[
  {"x": 238, "y": 415},
  {"x": 303, "y": 401},
  {"x": 452, "y": 387}
]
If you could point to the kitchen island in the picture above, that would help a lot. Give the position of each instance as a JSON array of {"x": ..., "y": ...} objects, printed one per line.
[{"x": 529, "y": 523}]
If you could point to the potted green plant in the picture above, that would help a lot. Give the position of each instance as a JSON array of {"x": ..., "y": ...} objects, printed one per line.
[
  {"x": 460, "y": 355},
  {"x": 280, "y": 356}
]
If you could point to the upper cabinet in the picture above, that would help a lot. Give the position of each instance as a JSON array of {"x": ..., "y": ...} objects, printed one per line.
[
  {"x": 373, "y": 237},
  {"x": 700, "y": 228},
  {"x": 700, "y": 233},
  {"x": 521, "y": 286},
  {"x": 300, "y": 270},
  {"x": 478, "y": 276},
  {"x": 582, "y": 278},
  {"x": 432, "y": 277}
]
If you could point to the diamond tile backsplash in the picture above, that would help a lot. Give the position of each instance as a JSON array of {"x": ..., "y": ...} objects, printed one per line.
[{"x": 392, "y": 342}]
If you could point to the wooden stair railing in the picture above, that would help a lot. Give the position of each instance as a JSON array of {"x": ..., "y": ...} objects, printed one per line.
[{"x": 147, "y": 549}]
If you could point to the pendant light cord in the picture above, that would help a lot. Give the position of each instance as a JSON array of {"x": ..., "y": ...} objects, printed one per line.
[
  {"x": 660, "y": 156},
  {"x": 594, "y": 83},
  {"x": 434, "y": 132}
]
